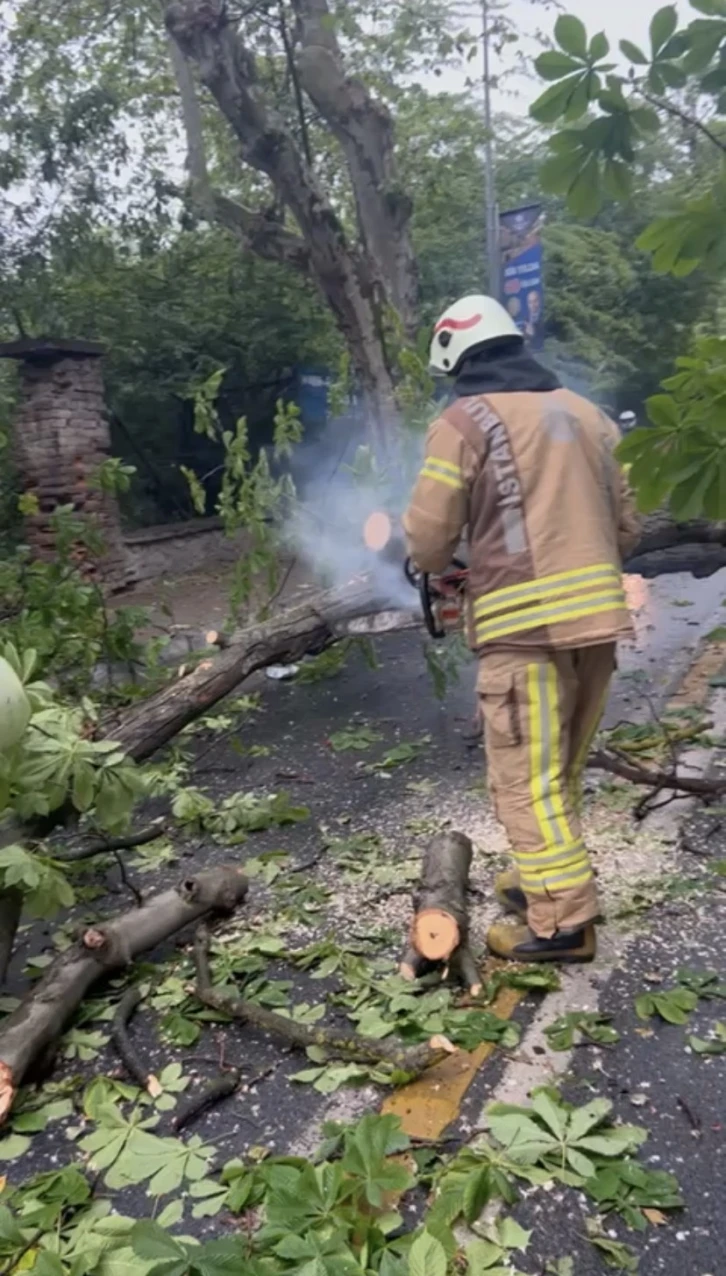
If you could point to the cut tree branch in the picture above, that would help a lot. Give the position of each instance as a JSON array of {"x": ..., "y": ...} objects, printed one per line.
[
  {"x": 440, "y": 928},
  {"x": 11, "y": 906},
  {"x": 309, "y": 627},
  {"x": 35, "y": 1025},
  {"x": 128, "y": 1054},
  {"x": 339, "y": 1044},
  {"x": 109, "y": 845},
  {"x": 639, "y": 773}
]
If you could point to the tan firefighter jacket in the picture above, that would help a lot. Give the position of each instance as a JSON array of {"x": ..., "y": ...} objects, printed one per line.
[{"x": 548, "y": 513}]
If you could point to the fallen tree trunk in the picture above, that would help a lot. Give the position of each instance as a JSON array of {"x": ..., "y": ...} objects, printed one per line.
[
  {"x": 34, "y": 1026},
  {"x": 325, "y": 618},
  {"x": 698, "y": 547},
  {"x": 440, "y": 926},
  {"x": 661, "y": 531},
  {"x": 306, "y": 629}
]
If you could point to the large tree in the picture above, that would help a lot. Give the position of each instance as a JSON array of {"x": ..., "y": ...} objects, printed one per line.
[{"x": 285, "y": 146}]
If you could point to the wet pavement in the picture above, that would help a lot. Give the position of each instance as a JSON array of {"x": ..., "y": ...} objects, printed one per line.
[{"x": 287, "y": 745}]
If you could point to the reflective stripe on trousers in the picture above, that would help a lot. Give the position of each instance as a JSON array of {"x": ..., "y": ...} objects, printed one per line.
[{"x": 562, "y": 861}]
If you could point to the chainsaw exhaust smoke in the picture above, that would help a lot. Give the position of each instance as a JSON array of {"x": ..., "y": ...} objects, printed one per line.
[{"x": 348, "y": 523}]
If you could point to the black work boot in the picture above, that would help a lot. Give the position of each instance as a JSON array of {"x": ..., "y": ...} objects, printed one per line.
[
  {"x": 518, "y": 943},
  {"x": 510, "y": 894}
]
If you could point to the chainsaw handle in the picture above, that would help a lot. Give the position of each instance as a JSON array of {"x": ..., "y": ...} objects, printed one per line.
[
  {"x": 428, "y": 612},
  {"x": 412, "y": 573}
]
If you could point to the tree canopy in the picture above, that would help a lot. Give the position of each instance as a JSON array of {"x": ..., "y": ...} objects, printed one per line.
[
  {"x": 613, "y": 124},
  {"x": 109, "y": 231}
]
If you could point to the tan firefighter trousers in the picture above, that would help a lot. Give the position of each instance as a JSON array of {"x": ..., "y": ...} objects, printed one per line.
[{"x": 541, "y": 709}]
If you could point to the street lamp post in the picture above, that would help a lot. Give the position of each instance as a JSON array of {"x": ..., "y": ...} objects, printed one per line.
[{"x": 492, "y": 227}]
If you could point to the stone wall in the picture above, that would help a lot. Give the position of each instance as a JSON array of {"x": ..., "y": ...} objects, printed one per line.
[{"x": 61, "y": 439}]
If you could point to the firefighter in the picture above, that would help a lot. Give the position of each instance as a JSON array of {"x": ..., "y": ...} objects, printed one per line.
[{"x": 526, "y": 467}]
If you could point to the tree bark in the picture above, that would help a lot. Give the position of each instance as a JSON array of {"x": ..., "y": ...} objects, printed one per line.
[
  {"x": 11, "y": 904},
  {"x": 364, "y": 129},
  {"x": 346, "y": 275},
  {"x": 11, "y": 907},
  {"x": 440, "y": 927},
  {"x": 697, "y": 546},
  {"x": 38, "y": 1021},
  {"x": 308, "y": 628}
]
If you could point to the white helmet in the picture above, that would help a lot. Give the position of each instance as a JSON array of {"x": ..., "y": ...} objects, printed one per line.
[
  {"x": 473, "y": 321},
  {"x": 627, "y": 418}
]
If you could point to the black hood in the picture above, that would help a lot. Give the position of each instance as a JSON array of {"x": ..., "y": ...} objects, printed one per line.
[{"x": 503, "y": 369}]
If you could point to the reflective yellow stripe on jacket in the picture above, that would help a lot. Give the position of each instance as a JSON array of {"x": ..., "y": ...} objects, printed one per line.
[
  {"x": 435, "y": 467},
  {"x": 563, "y": 596}
]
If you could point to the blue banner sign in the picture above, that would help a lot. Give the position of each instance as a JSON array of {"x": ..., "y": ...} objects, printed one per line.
[{"x": 520, "y": 254}]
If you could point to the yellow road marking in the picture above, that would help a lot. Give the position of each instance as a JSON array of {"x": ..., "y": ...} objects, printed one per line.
[
  {"x": 695, "y": 688},
  {"x": 430, "y": 1103}
]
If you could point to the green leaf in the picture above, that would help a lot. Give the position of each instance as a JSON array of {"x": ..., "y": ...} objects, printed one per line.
[
  {"x": 599, "y": 47},
  {"x": 571, "y": 35},
  {"x": 368, "y": 1148},
  {"x": 588, "y": 1117},
  {"x": 354, "y": 738},
  {"x": 617, "y": 179},
  {"x": 584, "y": 195},
  {"x": 633, "y": 53},
  {"x": 662, "y": 27},
  {"x": 551, "y": 1114},
  {"x": 553, "y": 103},
  {"x": 47, "y": 1264},
  {"x": 715, "y": 1044},
  {"x": 673, "y": 76},
  {"x": 477, "y": 1192},
  {"x": 553, "y": 65},
  {"x": 672, "y": 1004},
  {"x": 562, "y": 1033},
  {"x": 512, "y": 1235},
  {"x": 149, "y": 1240},
  {"x": 13, "y": 1146},
  {"x": 481, "y": 1257},
  {"x": 615, "y": 1254},
  {"x": 427, "y": 1257}
]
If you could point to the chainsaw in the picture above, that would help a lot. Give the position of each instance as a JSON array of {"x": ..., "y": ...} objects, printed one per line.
[{"x": 442, "y": 596}]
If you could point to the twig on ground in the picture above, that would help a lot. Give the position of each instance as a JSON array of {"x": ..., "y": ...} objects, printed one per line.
[
  {"x": 13, "y": 1265},
  {"x": 126, "y": 881},
  {"x": 126, "y": 1051},
  {"x": 107, "y": 845},
  {"x": 413, "y": 1059},
  {"x": 694, "y": 1120},
  {"x": 221, "y": 1088},
  {"x": 637, "y": 773}
]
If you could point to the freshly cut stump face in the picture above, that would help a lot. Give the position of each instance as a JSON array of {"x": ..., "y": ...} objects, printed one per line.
[{"x": 435, "y": 934}]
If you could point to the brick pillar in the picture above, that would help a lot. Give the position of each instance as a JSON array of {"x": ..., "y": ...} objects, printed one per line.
[{"x": 61, "y": 438}]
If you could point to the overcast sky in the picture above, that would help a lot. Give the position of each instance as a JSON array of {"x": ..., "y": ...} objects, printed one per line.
[{"x": 617, "y": 18}]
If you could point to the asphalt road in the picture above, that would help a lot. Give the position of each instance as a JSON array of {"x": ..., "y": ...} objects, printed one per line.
[{"x": 672, "y": 614}]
